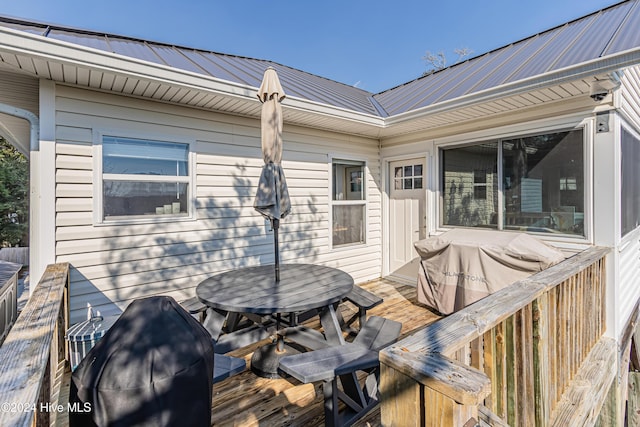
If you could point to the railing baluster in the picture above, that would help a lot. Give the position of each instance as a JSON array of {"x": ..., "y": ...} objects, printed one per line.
[
  {"x": 490, "y": 366},
  {"x": 542, "y": 359},
  {"x": 529, "y": 339}
]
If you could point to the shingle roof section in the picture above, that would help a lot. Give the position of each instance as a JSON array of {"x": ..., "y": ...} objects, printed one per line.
[{"x": 606, "y": 32}]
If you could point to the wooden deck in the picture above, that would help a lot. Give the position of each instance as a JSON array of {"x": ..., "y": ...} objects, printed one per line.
[{"x": 248, "y": 400}]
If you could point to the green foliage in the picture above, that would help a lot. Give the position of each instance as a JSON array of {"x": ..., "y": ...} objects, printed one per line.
[{"x": 14, "y": 196}]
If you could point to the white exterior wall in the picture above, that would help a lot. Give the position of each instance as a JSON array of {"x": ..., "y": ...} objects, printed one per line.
[
  {"x": 628, "y": 291},
  {"x": 628, "y": 247},
  {"x": 603, "y": 194},
  {"x": 602, "y": 166},
  {"x": 606, "y": 214},
  {"x": 629, "y": 97},
  {"x": 114, "y": 264}
]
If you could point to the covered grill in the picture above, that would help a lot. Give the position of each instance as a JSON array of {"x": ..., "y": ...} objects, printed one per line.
[
  {"x": 154, "y": 367},
  {"x": 462, "y": 266}
]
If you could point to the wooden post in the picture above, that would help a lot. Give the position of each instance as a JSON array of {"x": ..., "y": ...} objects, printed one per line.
[
  {"x": 624, "y": 377},
  {"x": 499, "y": 382},
  {"x": 526, "y": 386},
  {"x": 401, "y": 399},
  {"x": 541, "y": 359},
  {"x": 511, "y": 380},
  {"x": 445, "y": 411},
  {"x": 429, "y": 390},
  {"x": 633, "y": 402},
  {"x": 607, "y": 415}
]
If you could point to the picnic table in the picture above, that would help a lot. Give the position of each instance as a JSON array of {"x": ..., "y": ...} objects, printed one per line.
[{"x": 255, "y": 290}]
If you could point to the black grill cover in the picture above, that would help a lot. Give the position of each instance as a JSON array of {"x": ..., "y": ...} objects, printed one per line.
[{"x": 154, "y": 367}]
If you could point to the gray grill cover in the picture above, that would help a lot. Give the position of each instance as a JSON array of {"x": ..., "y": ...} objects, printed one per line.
[
  {"x": 462, "y": 266},
  {"x": 154, "y": 367}
]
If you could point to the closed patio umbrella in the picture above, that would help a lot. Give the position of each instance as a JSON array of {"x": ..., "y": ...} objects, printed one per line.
[{"x": 272, "y": 198}]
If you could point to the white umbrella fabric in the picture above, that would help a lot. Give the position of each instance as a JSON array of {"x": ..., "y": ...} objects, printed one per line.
[{"x": 272, "y": 198}]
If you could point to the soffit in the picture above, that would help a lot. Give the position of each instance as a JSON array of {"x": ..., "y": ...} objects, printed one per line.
[{"x": 210, "y": 94}]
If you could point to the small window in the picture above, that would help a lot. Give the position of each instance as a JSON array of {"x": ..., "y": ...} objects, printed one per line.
[
  {"x": 568, "y": 184},
  {"x": 479, "y": 184},
  {"x": 408, "y": 177},
  {"x": 144, "y": 179},
  {"x": 348, "y": 203}
]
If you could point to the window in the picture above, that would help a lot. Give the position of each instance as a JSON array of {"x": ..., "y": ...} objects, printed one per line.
[
  {"x": 567, "y": 184},
  {"x": 348, "y": 202},
  {"x": 630, "y": 188},
  {"x": 540, "y": 187},
  {"x": 144, "y": 179},
  {"x": 408, "y": 177},
  {"x": 469, "y": 176},
  {"x": 479, "y": 184}
]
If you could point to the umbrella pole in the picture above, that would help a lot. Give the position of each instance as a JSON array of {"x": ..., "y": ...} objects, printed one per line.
[{"x": 275, "y": 224}]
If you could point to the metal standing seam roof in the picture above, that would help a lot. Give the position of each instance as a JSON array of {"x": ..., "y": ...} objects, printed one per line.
[
  {"x": 608, "y": 31},
  {"x": 233, "y": 68}
]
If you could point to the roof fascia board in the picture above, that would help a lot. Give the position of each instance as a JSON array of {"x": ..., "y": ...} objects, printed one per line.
[
  {"x": 329, "y": 110},
  {"x": 21, "y": 43},
  {"x": 588, "y": 69},
  {"x": 18, "y": 42}
]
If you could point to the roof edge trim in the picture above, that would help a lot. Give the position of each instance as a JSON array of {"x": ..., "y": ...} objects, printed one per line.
[
  {"x": 20, "y": 43},
  {"x": 607, "y": 64}
]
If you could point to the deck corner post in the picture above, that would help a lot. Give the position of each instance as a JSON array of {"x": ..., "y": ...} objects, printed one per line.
[{"x": 400, "y": 398}]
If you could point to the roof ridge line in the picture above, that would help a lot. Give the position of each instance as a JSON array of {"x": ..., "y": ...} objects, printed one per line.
[{"x": 378, "y": 107}]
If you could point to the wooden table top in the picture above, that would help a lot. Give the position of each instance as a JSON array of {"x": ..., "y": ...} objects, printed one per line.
[{"x": 255, "y": 290}]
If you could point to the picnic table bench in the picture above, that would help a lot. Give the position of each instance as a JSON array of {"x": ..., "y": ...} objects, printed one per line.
[
  {"x": 329, "y": 363},
  {"x": 226, "y": 366},
  {"x": 364, "y": 300}
]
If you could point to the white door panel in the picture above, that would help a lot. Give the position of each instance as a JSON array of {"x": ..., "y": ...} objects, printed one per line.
[{"x": 407, "y": 215}]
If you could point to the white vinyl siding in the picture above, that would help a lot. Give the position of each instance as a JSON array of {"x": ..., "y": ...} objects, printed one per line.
[
  {"x": 628, "y": 291},
  {"x": 628, "y": 268},
  {"x": 112, "y": 265},
  {"x": 629, "y": 99}
]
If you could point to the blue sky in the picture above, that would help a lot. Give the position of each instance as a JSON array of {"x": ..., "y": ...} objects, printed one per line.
[{"x": 372, "y": 44}]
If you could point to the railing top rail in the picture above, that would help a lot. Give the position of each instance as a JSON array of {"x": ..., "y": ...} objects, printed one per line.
[
  {"x": 7, "y": 271},
  {"x": 446, "y": 335},
  {"x": 25, "y": 352}
]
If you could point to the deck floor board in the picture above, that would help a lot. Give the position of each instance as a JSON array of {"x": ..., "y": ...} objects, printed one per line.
[{"x": 248, "y": 400}]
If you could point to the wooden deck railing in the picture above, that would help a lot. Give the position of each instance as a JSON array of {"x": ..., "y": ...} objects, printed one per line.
[
  {"x": 510, "y": 358},
  {"x": 34, "y": 352},
  {"x": 8, "y": 296}
]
